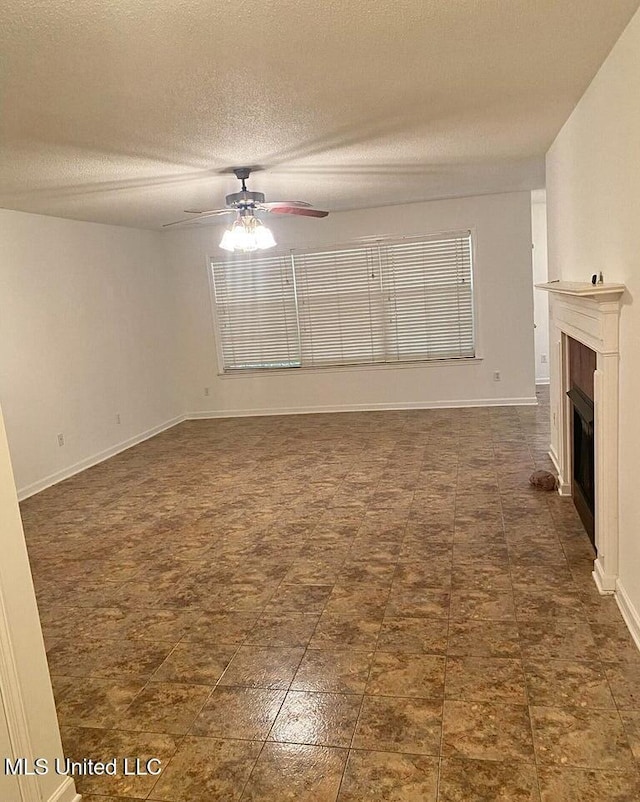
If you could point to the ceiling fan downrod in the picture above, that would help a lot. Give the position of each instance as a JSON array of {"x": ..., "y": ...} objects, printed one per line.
[{"x": 242, "y": 174}]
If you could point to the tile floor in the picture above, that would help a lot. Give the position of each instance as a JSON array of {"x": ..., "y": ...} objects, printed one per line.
[{"x": 345, "y": 607}]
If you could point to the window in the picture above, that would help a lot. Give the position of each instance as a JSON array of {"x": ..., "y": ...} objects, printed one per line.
[{"x": 383, "y": 302}]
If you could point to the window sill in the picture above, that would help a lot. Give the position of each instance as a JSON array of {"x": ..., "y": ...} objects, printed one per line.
[{"x": 432, "y": 363}]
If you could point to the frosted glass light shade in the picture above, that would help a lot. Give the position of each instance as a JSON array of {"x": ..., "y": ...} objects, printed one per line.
[
  {"x": 247, "y": 234},
  {"x": 227, "y": 241},
  {"x": 264, "y": 237}
]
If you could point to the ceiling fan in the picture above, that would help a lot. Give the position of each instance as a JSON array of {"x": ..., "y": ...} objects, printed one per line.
[{"x": 248, "y": 233}]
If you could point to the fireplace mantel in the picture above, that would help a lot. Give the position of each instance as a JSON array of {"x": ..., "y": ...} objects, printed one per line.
[
  {"x": 590, "y": 314},
  {"x": 584, "y": 289}
]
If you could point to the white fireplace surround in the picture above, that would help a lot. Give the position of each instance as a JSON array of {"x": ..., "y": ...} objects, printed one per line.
[{"x": 590, "y": 314}]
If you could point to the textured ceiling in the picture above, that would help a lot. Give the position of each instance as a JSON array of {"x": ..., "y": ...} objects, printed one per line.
[{"x": 129, "y": 111}]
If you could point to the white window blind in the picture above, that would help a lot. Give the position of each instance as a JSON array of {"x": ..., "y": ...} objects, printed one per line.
[
  {"x": 341, "y": 306},
  {"x": 256, "y": 312},
  {"x": 390, "y": 301},
  {"x": 428, "y": 289}
]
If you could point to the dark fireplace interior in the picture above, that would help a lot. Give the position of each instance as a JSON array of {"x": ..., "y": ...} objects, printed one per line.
[{"x": 582, "y": 364}]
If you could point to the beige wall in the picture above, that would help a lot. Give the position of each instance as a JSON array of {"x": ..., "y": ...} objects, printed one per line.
[
  {"x": 593, "y": 195},
  {"x": 25, "y": 686},
  {"x": 502, "y": 229},
  {"x": 9, "y": 787},
  {"x": 87, "y": 331}
]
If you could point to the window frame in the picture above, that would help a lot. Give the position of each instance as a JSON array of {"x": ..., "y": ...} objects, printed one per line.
[{"x": 416, "y": 364}]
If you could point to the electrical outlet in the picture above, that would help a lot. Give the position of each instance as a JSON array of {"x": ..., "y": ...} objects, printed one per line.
[
  {"x": 496, "y": 376},
  {"x": 206, "y": 391},
  {"x": 61, "y": 439},
  {"x": 543, "y": 359},
  {"x": 118, "y": 417}
]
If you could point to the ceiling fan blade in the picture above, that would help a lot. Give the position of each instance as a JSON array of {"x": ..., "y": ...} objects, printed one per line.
[
  {"x": 207, "y": 211},
  {"x": 202, "y": 216},
  {"x": 297, "y": 210},
  {"x": 284, "y": 203}
]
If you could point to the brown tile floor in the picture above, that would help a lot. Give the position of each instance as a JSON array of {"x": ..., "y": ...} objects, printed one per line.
[{"x": 357, "y": 607}]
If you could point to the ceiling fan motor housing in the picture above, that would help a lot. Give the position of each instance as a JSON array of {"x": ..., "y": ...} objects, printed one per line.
[{"x": 244, "y": 199}]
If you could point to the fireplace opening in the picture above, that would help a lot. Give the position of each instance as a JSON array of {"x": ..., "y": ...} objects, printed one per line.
[
  {"x": 582, "y": 365},
  {"x": 583, "y": 460}
]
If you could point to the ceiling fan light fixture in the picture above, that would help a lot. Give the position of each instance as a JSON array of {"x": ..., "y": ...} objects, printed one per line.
[{"x": 247, "y": 234}]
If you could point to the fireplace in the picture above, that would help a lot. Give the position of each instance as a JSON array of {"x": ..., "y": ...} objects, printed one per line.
[{"x": 584, "y": 411}]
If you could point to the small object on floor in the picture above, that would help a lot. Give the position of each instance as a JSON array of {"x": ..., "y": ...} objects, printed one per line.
[{"x": 543, "y": 480}]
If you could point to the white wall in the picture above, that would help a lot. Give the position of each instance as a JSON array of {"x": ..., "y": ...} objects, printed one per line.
[
  {"x": 540, "y": 275},
  {"x": 502, "y": 225},
  {"x": 593, "y": 196},
  {"x": 87, "y": 331}
]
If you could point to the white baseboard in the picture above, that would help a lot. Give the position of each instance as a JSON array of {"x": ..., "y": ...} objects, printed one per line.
[
  {"x": 629, "y": 613},
  {"x": 606, "y": 584},
  {"x": 564, "y": 488},
  {"x": 65, "y": 792},
  {"x": 94, "y": 459},
  {"x": 554, "y": 458},
  {"x": 310, "y": 410}
]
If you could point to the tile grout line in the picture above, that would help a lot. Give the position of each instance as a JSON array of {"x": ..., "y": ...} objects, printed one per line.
[
  {"x": 522, "y": 657},
  {"x": 371, "y": 663},
  {"x": 446, "y": 661}
]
